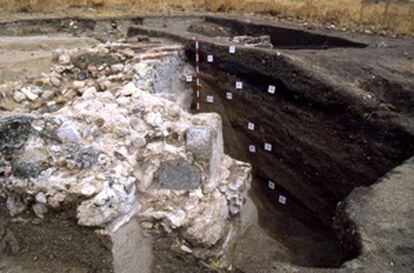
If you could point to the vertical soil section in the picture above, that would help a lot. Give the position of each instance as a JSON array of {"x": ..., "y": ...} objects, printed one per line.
[
  {"x": 310, "y": 241},
  {"x": 322, "y": 146}
]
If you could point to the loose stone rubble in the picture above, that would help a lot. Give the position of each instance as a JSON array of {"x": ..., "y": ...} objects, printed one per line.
[
  {"x": 254, "y": 41},
  {"x": 106, "y": 135}
]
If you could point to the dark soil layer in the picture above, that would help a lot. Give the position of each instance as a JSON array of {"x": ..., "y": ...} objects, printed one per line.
[
  {"x": 280, "y": 37},
  {"x": 324, "y": 143},
  {"x": 340, "y": 118},
  {"x": 295, "y": 225},
  {"x": 52, "y": 242}
]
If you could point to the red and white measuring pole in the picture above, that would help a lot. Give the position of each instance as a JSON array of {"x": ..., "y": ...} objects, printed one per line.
[{"x": 197, "y": 74}]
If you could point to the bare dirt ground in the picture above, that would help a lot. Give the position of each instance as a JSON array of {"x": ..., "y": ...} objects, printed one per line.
[{"x": 28, "y": 56}]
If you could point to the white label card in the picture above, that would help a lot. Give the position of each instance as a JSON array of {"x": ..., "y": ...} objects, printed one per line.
[
  {"x": 252, "y": 148},
  {"x": 268, "y": 147},
  {"x": 239, "y": 85},
  {"x": 232, "y": 49},
  {"x": 250, "y": 126},
  {"x": 210, "y": 99},
  {"x": 282, "y": 199},
  {"x": 271, "y": 89},
  {"x": 272, "y": 185},
  {"x": 189, "y": 78},
  {"x": 229, "y": 96},
  {"x": 210, "y": 58}
]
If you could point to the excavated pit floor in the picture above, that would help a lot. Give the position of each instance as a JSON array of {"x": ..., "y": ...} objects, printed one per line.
[{"x": 301, "y": 231}]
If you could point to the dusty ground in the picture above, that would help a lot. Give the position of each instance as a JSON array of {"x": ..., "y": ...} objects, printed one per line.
[
  {"x": 342, "y": 119},
  {"x": 380, "y": 17},
  {"x": 27, "y": 56}
]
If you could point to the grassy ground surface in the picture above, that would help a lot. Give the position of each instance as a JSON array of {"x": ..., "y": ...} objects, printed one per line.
[{"x": 387, "y": 17}]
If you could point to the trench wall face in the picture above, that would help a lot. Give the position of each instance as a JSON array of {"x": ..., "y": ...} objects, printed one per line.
[
  {"x": 281, "y": 37},
  {"x": 323, "y": 146}
]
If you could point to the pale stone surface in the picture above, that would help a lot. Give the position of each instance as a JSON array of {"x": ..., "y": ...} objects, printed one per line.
[
  {"x": 19, "y": 96},
  {"x": 55, "y": 81},
  {"x": 27, "y": 91},
  {"x": 199, "y": 141},
  {"x": 64, "y": 59},
  {"x": 15, "y": 204},
  {"x": 126, "y": 153},
  {"x": 78, "y": 84},
  {"x": 68, "y": 132},
  {"x": 209, "y": 227},
  {"x": 48, "y": 94}
]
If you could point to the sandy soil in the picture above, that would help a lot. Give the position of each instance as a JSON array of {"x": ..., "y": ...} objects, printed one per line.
[{"x": 27, "y": 56}]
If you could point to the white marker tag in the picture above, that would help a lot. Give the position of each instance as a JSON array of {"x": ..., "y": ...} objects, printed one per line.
[
  {"x": 210, "y": 99},
  {"x": 232, "y": 49},
  {"x": 271, "y": 89},
  {"x": 189, "y": 78},
  {"x": 210, "y": 58},
  {"x": 282, "y": 199},
  {"x": 252, "y": 148},
  {"x": 239, "y": 85},
  {"x": 250, "y": 126},
  {"x": 198, "y": 106},
  {"x": 198, "y": 81},
  {"x": 229, "y": 96},
  {"x": 198, "y": 94},
  {"x": 272, "y": 185},
  {"x": 268, "y": 147}
]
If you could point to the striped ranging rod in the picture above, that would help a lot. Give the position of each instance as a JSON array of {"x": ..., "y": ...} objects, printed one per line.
[{"x": 197, "y": 72}]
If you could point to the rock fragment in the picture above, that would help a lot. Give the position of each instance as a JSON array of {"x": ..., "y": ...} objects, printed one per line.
[
  {"x": 47, "y": 95},
  {"x": 68, "y": 132},
  {"x": 178, "y": 175},
  {"x": 55, "y": 81},
  {"x": 19, "y": 96},
  {"x": 40, "y": 210},
  {"x": 29, "y": 94},
  {"x": 78, "y": 84}
]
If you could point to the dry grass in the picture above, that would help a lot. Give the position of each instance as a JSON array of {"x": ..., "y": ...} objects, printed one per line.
[{"x": 388, "y": 15}]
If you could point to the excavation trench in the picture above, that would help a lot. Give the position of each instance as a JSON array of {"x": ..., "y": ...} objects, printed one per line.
[
  {"x": 322, "y": 148},
  {"x": 325, "y": 140}
]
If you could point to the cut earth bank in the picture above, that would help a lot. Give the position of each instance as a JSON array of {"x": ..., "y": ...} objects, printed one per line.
[{"x": 342, "y": 118}]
